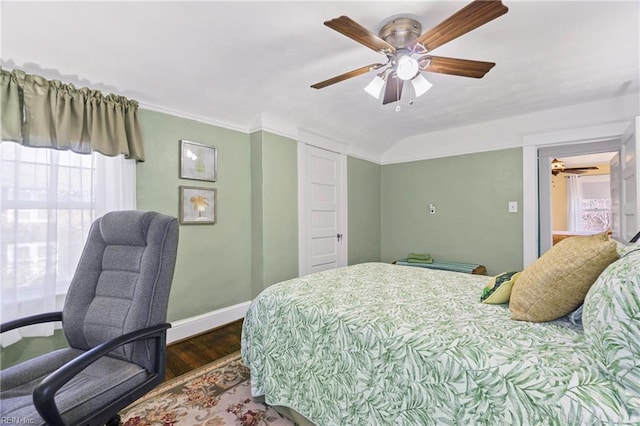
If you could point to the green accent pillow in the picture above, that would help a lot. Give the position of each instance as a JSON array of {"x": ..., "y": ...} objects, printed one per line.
[
  {"x": 611, "y": 320},
  {"x": 498, "y": 290}
]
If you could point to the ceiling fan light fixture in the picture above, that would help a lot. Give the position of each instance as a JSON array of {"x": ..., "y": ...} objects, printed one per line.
[
  {"x": 420, "y": 85},
  {"x": 375, "y": 87},
  {"x": 407, "y": 68},
  {"x": 401, "y": 38},
  {"x": 557, "y": 164}
]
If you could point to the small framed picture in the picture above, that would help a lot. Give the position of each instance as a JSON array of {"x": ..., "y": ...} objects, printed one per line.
[
  {"x": 197, "y": 205},
  {"x": 198, "y": 161}
]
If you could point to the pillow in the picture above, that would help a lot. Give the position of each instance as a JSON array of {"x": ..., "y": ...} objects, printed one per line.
[
  {"x": 611, "y": 321},
  {"x": 556, "y": 283},
  {"x": 498, "y": 289}
]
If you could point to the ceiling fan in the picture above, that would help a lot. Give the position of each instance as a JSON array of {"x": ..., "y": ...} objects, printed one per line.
[
  {"x": 557, "y": 166},
  {"x": 408, "y": 49}
]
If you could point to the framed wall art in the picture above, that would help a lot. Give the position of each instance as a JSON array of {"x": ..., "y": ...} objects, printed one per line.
[
  {"x": 197, "y": 205},
  {"x": 198, "y": 161}
]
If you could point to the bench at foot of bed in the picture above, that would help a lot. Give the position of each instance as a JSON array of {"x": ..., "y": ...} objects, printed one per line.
[{"x": 467, "y": 268}]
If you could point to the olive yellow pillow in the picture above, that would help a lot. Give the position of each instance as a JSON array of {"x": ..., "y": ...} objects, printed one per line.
[
  {"x": 498, "y": 289},
  {"x": 557, "y": 283}
]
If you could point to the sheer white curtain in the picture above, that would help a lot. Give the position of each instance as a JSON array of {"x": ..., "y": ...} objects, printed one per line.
[
  {"x": 48, "y": 201},
  {"x": 574, "y": 199}
]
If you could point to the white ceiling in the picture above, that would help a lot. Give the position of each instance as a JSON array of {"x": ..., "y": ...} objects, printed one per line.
[
  {"x": 588, "y": 159},
  {"x": 248, "y": 65}
]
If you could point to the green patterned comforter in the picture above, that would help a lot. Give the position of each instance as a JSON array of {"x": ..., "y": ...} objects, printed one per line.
[{"x": 381, "y": 344}]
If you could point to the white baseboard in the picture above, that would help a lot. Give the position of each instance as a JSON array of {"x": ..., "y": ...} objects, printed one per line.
[{"x": 188, "y": 327}]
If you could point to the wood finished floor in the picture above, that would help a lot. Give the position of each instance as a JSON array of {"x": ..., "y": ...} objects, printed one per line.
[{"x": 194, "y": 352}]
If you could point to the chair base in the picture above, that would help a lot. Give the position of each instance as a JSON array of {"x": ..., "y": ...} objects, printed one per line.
[{"x": 114, "y": 421}]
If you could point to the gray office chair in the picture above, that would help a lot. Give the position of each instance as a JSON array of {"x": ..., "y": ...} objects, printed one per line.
[{"x": 114, "y": 320}]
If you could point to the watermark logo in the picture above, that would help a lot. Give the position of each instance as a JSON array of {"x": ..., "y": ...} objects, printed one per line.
[{"x": 8, "y": 420}]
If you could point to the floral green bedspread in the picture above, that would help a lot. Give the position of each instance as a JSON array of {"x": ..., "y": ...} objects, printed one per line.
[{"x": 381, "y": 344}]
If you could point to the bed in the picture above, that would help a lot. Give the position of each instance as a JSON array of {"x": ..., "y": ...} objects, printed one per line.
[
  {"x": 381, "y": 344},
  {"x": 563, "y": 235}
]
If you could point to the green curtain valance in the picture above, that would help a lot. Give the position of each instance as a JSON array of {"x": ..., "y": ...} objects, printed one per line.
[{"x": 48, "y": 113}]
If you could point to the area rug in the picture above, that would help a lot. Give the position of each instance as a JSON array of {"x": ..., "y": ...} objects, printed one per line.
[{"x": 217, "y": 394}]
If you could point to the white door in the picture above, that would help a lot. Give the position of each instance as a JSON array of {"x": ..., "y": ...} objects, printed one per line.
[
  {"x": 323, "y": 241},
  {"x": 629, "y": 188},
  {"x": 614, "y": 173}
]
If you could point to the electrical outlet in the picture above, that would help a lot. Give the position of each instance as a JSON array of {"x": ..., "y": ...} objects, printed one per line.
[{"x": 432, "y": 209}]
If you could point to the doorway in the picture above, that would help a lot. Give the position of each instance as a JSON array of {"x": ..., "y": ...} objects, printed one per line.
[
  {"x": 581, "y": 195},
  {"x": 565, "y": 184},
  {"x": 537, "y": 154}
]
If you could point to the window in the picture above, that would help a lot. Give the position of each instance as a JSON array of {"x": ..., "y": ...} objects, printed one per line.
[
  {"x": 591, "y": 197},
  {"x": 48, "y": 201},
  {"x": 596, "y": 214}
]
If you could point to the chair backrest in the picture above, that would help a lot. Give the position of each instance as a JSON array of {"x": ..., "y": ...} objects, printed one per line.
[{"x": 122, "y": 282}]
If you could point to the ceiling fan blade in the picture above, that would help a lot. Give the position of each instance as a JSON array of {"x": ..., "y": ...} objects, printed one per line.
[
  {"x": 470, "y": 17},
  {"x": 455, "y": 66},
  {"x": 579, "y": 169},
  {"x": 350, "y": 28},
  {"x": 346, "y": 76},
  {"x": 393, "y": 89},
  {"x": 574, "y": 170}
]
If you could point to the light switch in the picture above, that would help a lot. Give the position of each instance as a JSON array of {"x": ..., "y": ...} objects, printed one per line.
[
  {"x": 513, "y": 207},
  {"x": 432, "y": 208}
]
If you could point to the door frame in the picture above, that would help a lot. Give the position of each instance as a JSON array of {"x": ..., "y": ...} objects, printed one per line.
[
  {"x": 545, "y": 155},
  {"x": 631, "y": 135},
  {"x": 304, "y": 226},
  {"x": 530, "y": 146}
]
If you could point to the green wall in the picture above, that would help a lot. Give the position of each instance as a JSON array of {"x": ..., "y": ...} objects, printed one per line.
[
  {"x": 255, "y": 240},
  {"x": 274, "y": 198},
  {"x": 257, "y": 248},
  {"x": 213, "y": 266},
  {"x": 364, "y": 180},
  {"x": 471, "y": 193},
  {"x": 280, "y": 208},
  {"x": 30, "y": 347}
]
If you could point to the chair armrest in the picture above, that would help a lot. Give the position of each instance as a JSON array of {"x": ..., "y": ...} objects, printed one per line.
[
  {"x": 30, "y": 320},
  {"x": 44, "y": 393}
]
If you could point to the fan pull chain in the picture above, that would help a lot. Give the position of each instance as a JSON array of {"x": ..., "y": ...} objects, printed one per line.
[
  {"x": 412, "y": 97},
  {"x": 398, "y": 94}
]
